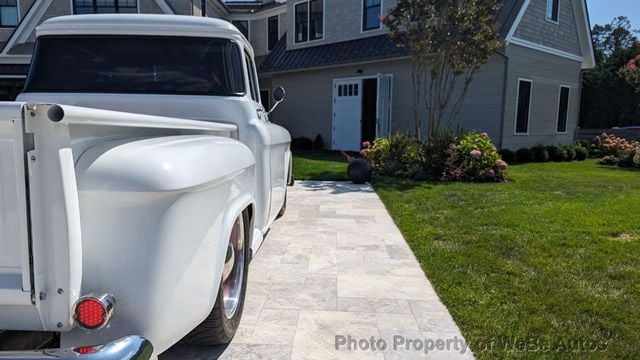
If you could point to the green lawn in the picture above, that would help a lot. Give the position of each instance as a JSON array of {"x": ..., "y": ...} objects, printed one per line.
[
  {"x": 552, "y": 256},
  {"x": 550, "y": 260},
  {"x": 319, "y": 165}
]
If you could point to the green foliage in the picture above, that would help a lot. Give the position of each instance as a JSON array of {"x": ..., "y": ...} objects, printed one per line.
[
  {"x": 437, "y": 151},
  {"x": 508, "y": 156},
  {"x": 582, "y": 153},
  {"x": 475, "y": 158},
  {"x": 608, "y": 160},
  {"x": 448, "y": 40},
  {"x": 540, "y": 153},
  {"x": 551, "y": 255},
  {"x": 571, "y": 153},
  {"x": 608, "y": 99},
  {"x": 557, "y": 153},
  {"x": 525, "y": 155},
  {"x": 398, "y": 156}
]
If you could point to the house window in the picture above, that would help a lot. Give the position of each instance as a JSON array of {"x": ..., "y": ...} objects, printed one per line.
[
  {"x": 266, "y": 99},
  {"x": 243, "y": 26},
  {"x": 104, "y": 6},
  {"x": 553, "y": 9},
  {"x": 273, "y": 30},
  {"x": 371, "y": 11},
  {"x": 563, "y": 109},
  {"x": 523, "y": 106},
  {"x": 8, "y": 13},
  {"x": 309, "y": 21}
]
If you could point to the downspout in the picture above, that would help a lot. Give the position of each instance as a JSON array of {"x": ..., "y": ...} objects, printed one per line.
[{"x": 504, "y": 97}]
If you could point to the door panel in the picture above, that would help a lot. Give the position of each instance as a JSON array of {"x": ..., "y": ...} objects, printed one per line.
[
  {"x": 347, "y": 114},
  {"x": 385, "y": 96}
]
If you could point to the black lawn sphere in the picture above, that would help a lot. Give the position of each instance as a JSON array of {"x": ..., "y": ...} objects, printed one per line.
[{"x": 359, "y": 171}]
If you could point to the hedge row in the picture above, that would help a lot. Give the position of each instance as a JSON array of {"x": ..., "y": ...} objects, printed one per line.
[{"x": 540, "y": 153}]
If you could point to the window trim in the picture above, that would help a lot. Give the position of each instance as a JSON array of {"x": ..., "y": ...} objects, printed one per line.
[
  {"x": 362, "y": 18},
  {"x": 277, "y": 16},
  {"x": 566, "y": 120},
  {"x": 252, "y": 86},
  {"x": 324, "y": 22},
  {"x": 73, "y": 8},
  {"x": 550, "y": 18},
  {"x": 17, "y": 14},
  {"x": 515, "y": 122}
]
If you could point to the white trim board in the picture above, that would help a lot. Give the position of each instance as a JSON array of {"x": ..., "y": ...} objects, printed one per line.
[
  {"x": 517, "y": 21},
  {"x": 546, "y": 49}
]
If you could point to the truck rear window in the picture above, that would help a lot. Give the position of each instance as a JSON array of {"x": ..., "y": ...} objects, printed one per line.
[{"x": 136, "y": 64}]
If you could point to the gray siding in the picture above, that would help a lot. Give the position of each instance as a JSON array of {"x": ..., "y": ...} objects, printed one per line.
[
  {"x": 307, "y": 110},
  {"x": 149, "y": 7},
  {"x": 547, "y": 72},
  {"x": 562, "y": 36},
  {"x": 342, "y": 22},
  {"x": 258, "y": 36}
]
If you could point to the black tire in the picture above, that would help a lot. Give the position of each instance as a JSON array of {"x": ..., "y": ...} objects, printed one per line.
[
  {"x": 283, "y": 210},
  {"x": 217, "y": 328}
]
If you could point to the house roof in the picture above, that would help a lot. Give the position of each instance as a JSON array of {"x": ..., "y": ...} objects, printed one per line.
[
  {"x": 354, "y": 51},
  {"x": 360, "y": 50}
]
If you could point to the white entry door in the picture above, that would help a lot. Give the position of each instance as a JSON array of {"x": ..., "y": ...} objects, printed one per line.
[
  {"x": 347, "y": 114},
  {"x": 385, "y": 96}
]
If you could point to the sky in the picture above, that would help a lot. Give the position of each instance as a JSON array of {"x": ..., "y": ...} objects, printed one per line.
[{"x": 603, "y": 11}]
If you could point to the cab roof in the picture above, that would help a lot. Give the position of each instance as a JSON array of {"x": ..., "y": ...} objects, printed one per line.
[{"x": 141, "y": 24}]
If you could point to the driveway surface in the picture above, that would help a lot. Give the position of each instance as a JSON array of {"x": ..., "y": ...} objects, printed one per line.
[{"x": 335, "y": 272}]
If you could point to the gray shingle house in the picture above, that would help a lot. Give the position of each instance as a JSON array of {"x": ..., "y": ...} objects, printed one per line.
[{"x": 346, "y": 81}]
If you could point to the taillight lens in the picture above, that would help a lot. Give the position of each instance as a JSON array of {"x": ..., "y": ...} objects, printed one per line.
[{"x": 93, "y": 312}]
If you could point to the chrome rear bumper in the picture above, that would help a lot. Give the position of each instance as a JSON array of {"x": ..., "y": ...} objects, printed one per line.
[{"x": 128, "y": 348}]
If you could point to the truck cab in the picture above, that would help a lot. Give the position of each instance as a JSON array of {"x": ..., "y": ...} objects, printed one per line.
[{"x": 141, "y": 175}]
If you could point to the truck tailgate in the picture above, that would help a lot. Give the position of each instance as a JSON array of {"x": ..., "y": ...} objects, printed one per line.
[{"x": 15, "y": 284}]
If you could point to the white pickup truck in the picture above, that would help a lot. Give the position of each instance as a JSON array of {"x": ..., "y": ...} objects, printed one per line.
[{"x": 139, "y": 173}]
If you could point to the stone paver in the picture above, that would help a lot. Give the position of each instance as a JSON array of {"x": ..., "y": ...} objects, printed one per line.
[{"x": 336, "y": 269}]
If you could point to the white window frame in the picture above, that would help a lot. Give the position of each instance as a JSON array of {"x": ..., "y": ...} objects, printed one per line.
[
  {"x": 566, "y": 125},
  {"x": 362, "y": 30},
  {"x": 549, "y": 11},
  {"x": 279, "y": 35},
  {"x": 515, "y": 122},
  {"x": 324, "y": 22}
]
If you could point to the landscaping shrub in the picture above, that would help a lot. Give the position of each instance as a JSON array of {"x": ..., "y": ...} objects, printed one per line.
[
  {"x": 582, "y": 153},
  {"x": 474, "y": 158},
  {"x": 318, "y": 143},
  {"x": 571, "y": 153},
  {"x": 617, "y": 151},
  {"x": 508, "y": 156},
  {"x": 557, "y": 153},
  {"x": 302, "y": 143},
  {"x": 524, "y": 155},
  {"x": 540, "y": 153},
  {"x": 608, "y": 160},
  {"x": 398, "y": 156},
  {"x": 437, "y": 152}
]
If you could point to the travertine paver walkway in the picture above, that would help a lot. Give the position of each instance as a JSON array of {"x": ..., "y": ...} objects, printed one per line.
[{"x": 337, "y": 270}]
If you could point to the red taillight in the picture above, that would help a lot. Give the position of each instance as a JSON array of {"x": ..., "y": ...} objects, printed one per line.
[
  {"x": 87, "y": 350},
  {"x": 93, "y": 312}
]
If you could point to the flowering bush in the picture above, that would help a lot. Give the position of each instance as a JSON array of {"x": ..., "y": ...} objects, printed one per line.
[
  {"x": 474, "y": 158},
  {"x": 631, "y": 72},
  {"x": 612, "y": 145},
  {"x": 444, "y": 157},
  {"x": 617, "y": 151},
  {"x": 399, "y": 156}
]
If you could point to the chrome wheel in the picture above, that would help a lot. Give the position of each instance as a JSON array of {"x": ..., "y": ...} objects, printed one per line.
[{"x": 233, "y": 271}]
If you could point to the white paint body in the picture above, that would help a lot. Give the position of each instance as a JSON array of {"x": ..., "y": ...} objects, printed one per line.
[{"x": 134, "y": 195}]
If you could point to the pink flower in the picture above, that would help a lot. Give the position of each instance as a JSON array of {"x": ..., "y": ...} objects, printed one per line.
[
  {"x": 452, "y": 147},
  {"x": 632, "y": 67},
  {"x": 366, "y": 144},
  {"x": 363, "y": 152},
  {"x": 502, "y": 165},
  {"x": 494, "y": 149},
  {"x": 476, "y": 154},
  {"x": 485, "y": 134}
]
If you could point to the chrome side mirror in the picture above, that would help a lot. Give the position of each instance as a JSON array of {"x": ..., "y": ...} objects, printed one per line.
[{"x": 278, "y": 96}]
